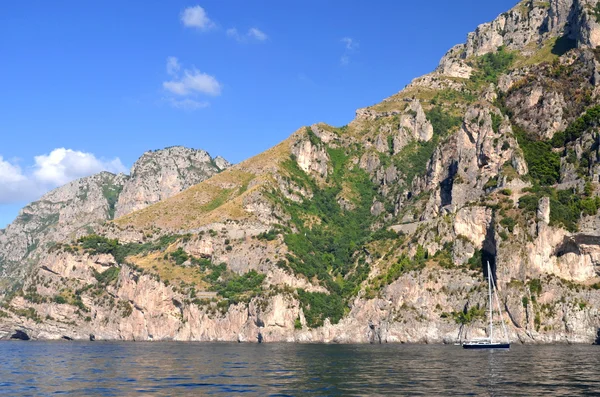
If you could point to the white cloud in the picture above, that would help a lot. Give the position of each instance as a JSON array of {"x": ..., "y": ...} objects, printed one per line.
[
  {"x": 51, "y": 170},
  {"x": 185, "y": 86},
  {"x": 64, "y": 165},
  {"x": 350, "y": 46},
  {"x": 233, "y": 32},
  {"x": 257, "y": 34},
  {"x": 196, "y": 17},
  {"x": 10, "y": 173},
  {"x": 193, "y": 81},
  {"x": 253, "y": 34},
  {"x": 173, "y": 66},
  {"x": 14, "y": 186}
]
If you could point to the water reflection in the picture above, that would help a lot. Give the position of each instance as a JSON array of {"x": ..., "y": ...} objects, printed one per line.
[{"x": 161, "y": 369}]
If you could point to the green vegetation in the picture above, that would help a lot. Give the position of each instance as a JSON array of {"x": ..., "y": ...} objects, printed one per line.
[
  {"x": 268, "y": 236},
  {"x": 591, "y": 118},
  {"x": 490, "y": 66},
  {"x": 566, "y": 206},
  {"x": 108, "y": 276},
  {"x": 412, "y": 159},
  {"x": 314, "y": 140},
  {"x": 404, "y": 265},
  {"x": 29, "y": 313},
  {"x": 475, "y": 261},
  {"x": 496, "y": 122},
  {"x": 218, "y": 201},
  {"x": 443, "y": 123},
  {"x": 492, "y": 183},
  {"x": 60, "y": 299},
  {"x": 111, "y": 193},
  {"x": 33, "y": 296},
  {"x": 229, "y": 285},
  {"x": 327, "y": 236},
  {"x": 318, "y": 306},
  {"x": 297, "y": 323},
  {"x": 179, "y": 256},
  {"x": 242, "y": 288},
  {"x": 384, "y": 234},
  {"x": 535, "y": 286},
  {"x": 94, "y": 244},
  {"x": 125, "y": 308},
  {"x": 508, "y": 223},
  {"x": 597, "y": 12},
  {"x": 454, "y": 96},
  {"x": 543, "y": 162},
  {"x": 469, "y": 316}
]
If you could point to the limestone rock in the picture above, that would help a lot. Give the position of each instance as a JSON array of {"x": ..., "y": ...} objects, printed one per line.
[
  {"x": 161, "y": 174},
  {"x": 466, "y": 186},
  {"x": 416, "y": 122},
  {"x": 62, "y": 214},
  {"x": 311, "y": 158},
  {"x": 543, "y": 211}
]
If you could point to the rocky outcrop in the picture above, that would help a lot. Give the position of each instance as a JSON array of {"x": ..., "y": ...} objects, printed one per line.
[
  {"x": 540, "y": 111},
  {"x": 528, "y": 23},
  {"x": 81, "y": 206},
  {"x": 62, "y": 214},
  {"x": 453, "y": 65},
  {"x": 462, "y": 167},
  {"x": 161, "y": 174},
  {"x": 458, "y": 162},
  {"x": 413, "y": 309},
  {"x": 416, "y": 122},
  {"x": 311, "y": 156}
]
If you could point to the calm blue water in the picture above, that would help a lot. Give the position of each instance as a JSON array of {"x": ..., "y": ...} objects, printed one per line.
[{"x": 170, "y": 369}]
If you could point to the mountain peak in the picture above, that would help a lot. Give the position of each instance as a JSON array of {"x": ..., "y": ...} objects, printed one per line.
[{"x": 160, "y": 174}]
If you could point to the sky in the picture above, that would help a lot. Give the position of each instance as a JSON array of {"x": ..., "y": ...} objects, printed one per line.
[{"x": 91, "y": 85}]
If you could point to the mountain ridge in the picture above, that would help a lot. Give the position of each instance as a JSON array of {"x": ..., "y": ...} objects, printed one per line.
[
  {"x": 80, "y": 206},
  {"x": 377, "y": 231}
]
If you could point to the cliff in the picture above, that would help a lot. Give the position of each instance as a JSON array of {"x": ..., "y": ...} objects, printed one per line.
[
  {"x": 378, "y": 231},
  {"x": 81, "y": 206}
]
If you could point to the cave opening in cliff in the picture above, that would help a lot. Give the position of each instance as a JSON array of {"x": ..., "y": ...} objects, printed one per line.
[
  {"x": 446, "y": 184},
  {"x": 20, "y": 335},
  {"x": 488, "y": 250}
]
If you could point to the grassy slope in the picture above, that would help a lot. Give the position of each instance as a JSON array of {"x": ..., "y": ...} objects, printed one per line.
[{"x": 216, "y": 199}]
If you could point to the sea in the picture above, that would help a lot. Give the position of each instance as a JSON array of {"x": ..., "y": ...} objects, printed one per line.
[{"x": 30, "y": 368}]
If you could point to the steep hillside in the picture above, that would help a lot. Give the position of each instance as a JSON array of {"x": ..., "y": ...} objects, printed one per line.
[
  {"x": 81, "y": 206},
  {"x": 163, "y": 173},
  {"x": 378, "y": 231}
]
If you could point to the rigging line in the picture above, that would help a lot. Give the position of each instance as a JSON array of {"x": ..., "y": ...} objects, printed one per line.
[
  {"x": 491, "y": 303},
  {"x": 500, "y": 311}
]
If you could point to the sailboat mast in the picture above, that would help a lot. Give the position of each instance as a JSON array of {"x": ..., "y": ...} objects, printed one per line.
[
  {"x": 490, "y": 301},
  {"x": 500, "y": 311}
]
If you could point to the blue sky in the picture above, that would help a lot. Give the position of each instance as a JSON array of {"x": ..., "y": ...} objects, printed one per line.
[{"x": 89, "y": 85}]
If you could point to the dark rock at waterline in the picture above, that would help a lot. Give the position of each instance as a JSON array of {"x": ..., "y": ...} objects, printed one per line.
[{"x": 20, "y": 335}]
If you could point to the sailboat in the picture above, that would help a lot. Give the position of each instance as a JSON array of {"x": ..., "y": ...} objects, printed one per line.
[{"x": 490, "y": 343}]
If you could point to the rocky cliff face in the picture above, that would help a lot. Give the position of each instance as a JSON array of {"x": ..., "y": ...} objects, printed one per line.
[
  {"x": 378, "y": 231},
  {"x": 163, "y": 173},
  {"x": 81, "y": 206},
  {"x": 71, "y": 210}
]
